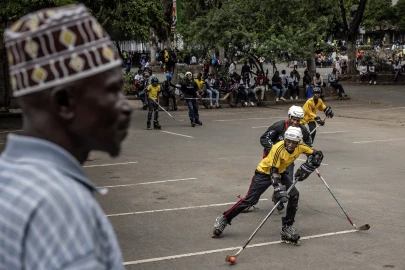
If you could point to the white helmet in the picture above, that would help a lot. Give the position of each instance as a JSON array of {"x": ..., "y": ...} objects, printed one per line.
[
  {"x": 188, "y": 73},
  {"x": 295, "y": 111},
  {"x": 293, "y": 134}
]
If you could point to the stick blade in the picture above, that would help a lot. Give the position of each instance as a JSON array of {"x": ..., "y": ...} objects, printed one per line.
[
  {"x": 364, "y": 227},
  {"x": 230, "y": 256}
]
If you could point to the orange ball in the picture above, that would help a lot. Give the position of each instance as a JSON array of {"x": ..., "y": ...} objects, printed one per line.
[{"x": 232, "y": 259}]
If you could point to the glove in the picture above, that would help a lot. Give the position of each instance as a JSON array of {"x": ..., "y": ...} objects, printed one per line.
[
  {"x": 276, "y": 181},
  {"x": 319, "y": 121},
  {"x": 280, "y": 194},
  {"x": 303, "y": 172},
  {"x": 328, "y": 112},
  {"x": 315, "y": 159}
]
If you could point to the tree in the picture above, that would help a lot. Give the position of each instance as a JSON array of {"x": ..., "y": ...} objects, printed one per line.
[
  {"x": 399, "y": 19},
  {"x": 350, "y": 30},
  {"x": 378, "y": 14}
]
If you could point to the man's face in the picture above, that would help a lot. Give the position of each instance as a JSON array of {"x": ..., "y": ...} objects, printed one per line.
[
  {"x": 294, "y": 121},
  {"x": 290, "y": 145},
  {"x": 198, "y": 76},
  {"x": 189, "y": 77},
  {"x": 103, "y": 113},
  {"x": 316, "y": 95}
]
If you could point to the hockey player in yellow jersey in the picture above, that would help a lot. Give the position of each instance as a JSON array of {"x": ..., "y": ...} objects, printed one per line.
[
  {"x": 310, "y": 107},
  {"x": 271, "y": 171}
]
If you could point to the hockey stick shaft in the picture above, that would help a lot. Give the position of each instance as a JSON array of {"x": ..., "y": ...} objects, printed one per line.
[
  {"x": 362, "y": 228},
  {"x": 317, "y": 125},
  {"x": 261, "y": 224},
  {"x": 163, "y": 109}
]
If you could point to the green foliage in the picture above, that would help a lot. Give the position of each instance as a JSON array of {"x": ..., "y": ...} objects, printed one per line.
[
  {"x": 365, "y": 47},
  {"x": 399, "y": 11},
  {"x": 378, "y": 13}
]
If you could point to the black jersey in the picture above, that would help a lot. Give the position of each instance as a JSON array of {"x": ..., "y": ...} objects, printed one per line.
[{"x": 275, "y": 133}]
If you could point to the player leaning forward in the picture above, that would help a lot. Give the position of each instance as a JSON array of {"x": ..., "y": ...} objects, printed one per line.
[{"x": 271, "y": 171}]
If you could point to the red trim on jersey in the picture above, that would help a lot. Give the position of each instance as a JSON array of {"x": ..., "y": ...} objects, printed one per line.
[{"x": 240, "y": 201}]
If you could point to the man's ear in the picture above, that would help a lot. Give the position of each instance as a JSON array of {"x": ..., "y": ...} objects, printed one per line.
[{"x": 63, "y": 102}]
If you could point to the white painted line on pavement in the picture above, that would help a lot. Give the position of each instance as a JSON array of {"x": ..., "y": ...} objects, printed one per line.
[
  {"x": 261, "y": 126},
  {"x": 388, "y": 140},
  {"x": 10, "y": 131},
  {"x": 175, "y": 209},
  {"x": 176, "y": 134},
  {"x": 112, "y": 164},
  {"x": 227, "y": 120},
  {"x": 376, "y": 110},
  {"x": 220, "y": 113},
  {"x": 149, "y": 183},
  {"x": 231, "y": 248},
  {"x": 306, "y": 160}
]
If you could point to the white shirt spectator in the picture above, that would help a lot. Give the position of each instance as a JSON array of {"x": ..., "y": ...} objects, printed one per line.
[
  {"x": 138, "y": 77},
  {"x": 397, "y": 66},
  {"x": 363, "y": 69},
  {"x": 371, "y": 69},
  {"x": 318, "y": 81}
]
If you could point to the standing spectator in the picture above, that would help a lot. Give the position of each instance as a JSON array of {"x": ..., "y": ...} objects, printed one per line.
[
  {"x": 333, "y": 80},
  {"x": 206, "y": 68},
  {"x": 306, "y": 80},
  {"x": 397, "y": 70},
  {"x": 172, "y": 61},
  {"x": 372, "y": 74},
  {"x": 278, "y": 87},
  {"x": 246, "y": 69},
  {"x": 260, "y": 83},
  {"x": 363, "y": 72},
  {"x": 165, "y": 59},
  {"x": 250, "y": 64},
  {"x": 212, "y": 87},
  {"x": 337, "y": 65},
  {"x": 232, "y": 68},
  {"x": 295, "y": 64},
  {"x": 50, "y": 217}
]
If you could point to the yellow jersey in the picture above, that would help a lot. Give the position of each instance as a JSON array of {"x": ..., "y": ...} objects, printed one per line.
[
  {"x": 279, "y": 157},
  {"x": 199, "y": 83},
  {"x": 153, "y": 91},
  {"x": 310, "y": 108}
]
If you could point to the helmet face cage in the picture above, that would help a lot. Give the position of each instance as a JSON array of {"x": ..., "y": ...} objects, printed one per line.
[{"x": 155, "y": 80}]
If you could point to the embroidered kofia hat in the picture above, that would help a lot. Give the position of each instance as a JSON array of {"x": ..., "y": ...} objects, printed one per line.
[{"x": 56, "y": 46}]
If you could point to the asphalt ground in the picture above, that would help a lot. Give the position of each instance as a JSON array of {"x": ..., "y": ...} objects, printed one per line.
[{"x": 166, "y": 189}]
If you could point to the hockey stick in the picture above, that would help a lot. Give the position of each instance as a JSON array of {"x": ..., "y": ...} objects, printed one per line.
[
  {"x": 317, "y": 125},
  {"x": 182, "y": 120},
  {"x": 232, "y": 258},
  {"x": 361, "y": 228}
]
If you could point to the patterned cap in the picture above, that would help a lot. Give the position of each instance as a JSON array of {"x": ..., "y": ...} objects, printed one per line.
[{"x": 56, "y": 46}]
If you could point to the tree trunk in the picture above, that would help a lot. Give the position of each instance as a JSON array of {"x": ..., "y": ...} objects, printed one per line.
[
  {"x": 4, "y": 82},
  {"x": 222, "y": 54},
  {"x": 351, "y": 56},
  {"x": 311, "y": 66},
  {"x": 152, "y": 45}
]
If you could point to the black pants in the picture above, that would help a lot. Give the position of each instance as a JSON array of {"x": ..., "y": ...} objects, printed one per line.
[
  {"x": 294, "y": 89},
  {"x": 167, "y": 95},
  {"x": 372, "y": 76},
  {"x": 260, "y": 183},
  {"x": 153, "y": 107},
  {"x": 312, "y": 126}
]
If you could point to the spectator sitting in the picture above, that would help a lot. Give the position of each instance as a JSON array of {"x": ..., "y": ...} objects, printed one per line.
[
  {"x": 212, "y": 87},
  {"x": 344, "y": 67},
  {"x": 278, "y": 87},
  {"x": 363, "y": 72},
  {"x": 318, "y": 81},
  {"x": 293, "y": 86},
  {"x": 372, "y": 74},
  {"x": 260, "y": 83},
  {"x": 333, "y": 79},
  {"x": 397, "y": 70},
  {"x": 246, "y": 68},
  {"x": 246, "y": 91}
]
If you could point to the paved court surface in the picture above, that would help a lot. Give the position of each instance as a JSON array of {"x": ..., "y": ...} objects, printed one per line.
[{"x": 167, "y": 188}]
